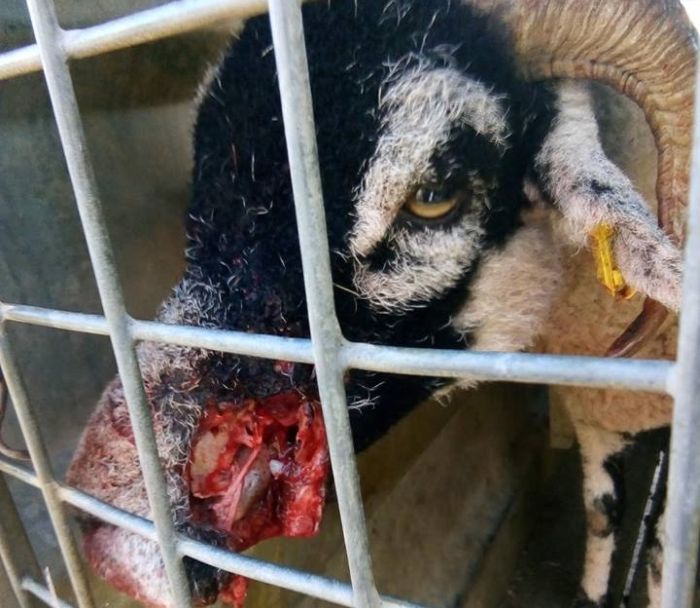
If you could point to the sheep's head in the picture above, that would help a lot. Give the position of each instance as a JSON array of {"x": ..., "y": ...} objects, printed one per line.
[{"x": 438, "y": 160}]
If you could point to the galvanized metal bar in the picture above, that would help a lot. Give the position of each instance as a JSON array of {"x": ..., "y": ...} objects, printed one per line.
[
  {"x": 599, "y": 372},
  {"x": 300, "y": 133},
  {"x": 108, "y": 513},
  {"x": 302, "y": 582},
  {"x": 16, "y": 554},
  {"x": 55, "y": 319},
  {"x": 138, "y": 28},
  {"x": 633, "y": 374},
  {"x": 32, "y": 437},
  {"x": 238, "y": 342},
  {"x": 43, "y": 593},
  {"x": 19, "y": 472},
  {"x": 327, "y": 589},
  {"x": 320, "y": 587},
  {"x": 11, "y": 573},
  {"x": 54, "y": 60},
  {"x": 254, "y": 345},
  {"x": 683, "y": 508}
]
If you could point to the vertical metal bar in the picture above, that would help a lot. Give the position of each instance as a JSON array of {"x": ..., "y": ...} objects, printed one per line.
[
  {"x": 10, "y": 571},
  {"x": 297, "y": 110},
  {"x": 16, "y": 552},
  {"x": 30, "y": 431},
  {"x": 683, "y": 510},
  {"x": 54, "y": 60}
]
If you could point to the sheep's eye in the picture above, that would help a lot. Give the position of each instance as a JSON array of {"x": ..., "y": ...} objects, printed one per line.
[{"x": 432, "y": 203}]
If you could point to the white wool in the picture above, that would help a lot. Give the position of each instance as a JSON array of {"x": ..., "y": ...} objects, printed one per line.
[
  {"x": 420, "y": 108},
  {"x": 428, "y": 264},
  {"x": 513, "y": 291}
]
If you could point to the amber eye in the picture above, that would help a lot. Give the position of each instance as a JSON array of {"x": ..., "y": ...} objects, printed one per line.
[{"x": 432, "y": 203}]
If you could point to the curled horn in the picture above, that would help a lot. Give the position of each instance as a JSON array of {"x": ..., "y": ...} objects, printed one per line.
[{"x": 646, "y": 50}]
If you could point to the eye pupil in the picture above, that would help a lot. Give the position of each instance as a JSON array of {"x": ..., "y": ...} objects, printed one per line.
[{"x": 432, "y": 195}]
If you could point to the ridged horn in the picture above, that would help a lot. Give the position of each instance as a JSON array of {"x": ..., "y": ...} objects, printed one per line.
[{"x": 646, "y": 50}]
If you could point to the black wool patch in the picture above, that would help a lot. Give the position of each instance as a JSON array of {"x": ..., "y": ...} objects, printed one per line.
[{"x": 614, "y": 506}]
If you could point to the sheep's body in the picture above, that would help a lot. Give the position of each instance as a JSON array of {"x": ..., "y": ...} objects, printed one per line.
[{"x": 417, "y": 101}]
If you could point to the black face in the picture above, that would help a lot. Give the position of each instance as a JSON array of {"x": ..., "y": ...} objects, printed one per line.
[{"x": 244, "y": 266}]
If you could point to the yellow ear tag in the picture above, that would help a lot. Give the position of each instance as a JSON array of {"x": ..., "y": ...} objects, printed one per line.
[{"x": 608, "y": 273}]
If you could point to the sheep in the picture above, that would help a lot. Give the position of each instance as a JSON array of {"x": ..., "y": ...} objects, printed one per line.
[{"x": 458, "y": 172}]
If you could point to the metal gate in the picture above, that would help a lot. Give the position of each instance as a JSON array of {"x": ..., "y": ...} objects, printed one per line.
[{"x": 327, "y": 349}]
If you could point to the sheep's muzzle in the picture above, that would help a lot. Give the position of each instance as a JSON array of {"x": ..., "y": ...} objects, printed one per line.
[{"x": 252, "y": 469}]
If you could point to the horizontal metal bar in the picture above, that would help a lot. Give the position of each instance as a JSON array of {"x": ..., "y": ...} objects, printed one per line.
[
  {"x": 254, "y": 345},
  {"x": 108, "y": 513},
  {"x": 42, "y": 592},
  {"x": 86, "y": 502},
  {"x": 19, "y": 472},
  {"x": 324, "y": 588},
  {"x": 637, "y": 374},
  {"x": 321, "y": 587},
  {"x": 55, "y": 319},
  {"x": 330, "y": 590},
  {"x": 138, "y": 28},
  {"x": 599, "y": 372}
]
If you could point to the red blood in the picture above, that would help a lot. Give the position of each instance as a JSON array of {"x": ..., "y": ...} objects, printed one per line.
[
  {"x": 235, "y": 592},
  {"x": 258, "y": 469}
]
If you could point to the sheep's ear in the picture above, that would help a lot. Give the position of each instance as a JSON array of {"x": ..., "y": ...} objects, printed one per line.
[{"x": 590, "y": 191}]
